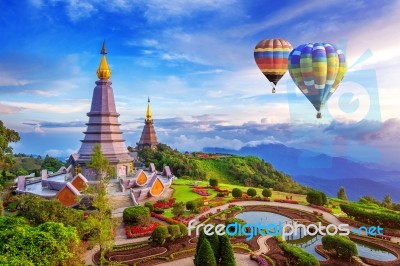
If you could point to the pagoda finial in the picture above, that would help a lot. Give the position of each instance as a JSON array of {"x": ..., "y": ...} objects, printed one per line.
[
  {"x": 103, "y": 48},
  {"x": 103, "y": 72},
  {"x": 148, "y": 112}
]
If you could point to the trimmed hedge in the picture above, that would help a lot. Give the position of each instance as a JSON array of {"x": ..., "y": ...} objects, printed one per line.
[
  {"x": 297, "y": 256},
  {"x": 344, "y": 247},
  {"x": 159, "y": 235},
  {"x": 137, "y": 215},
  {"x": 174, "y": 231},
  {"x": 382, "y": 217}
]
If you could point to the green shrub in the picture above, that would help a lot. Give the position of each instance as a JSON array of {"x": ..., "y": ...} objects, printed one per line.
[
  {"x": 183, "y": 229},
  {"x": 213, "y": 182},
  {"x": 178, "y": 209},
  {"x": 137, "y": 215},
  {"x": 344, "y": 247},
  {"x": 237, "y": 193},
  {"x": 298, "y": 256},
  {"x": 251, "y": 192},
  {"x": 266, "y": 192},
  {"x": 158, "y": 210},
  {"x": 174, "y": 231},
  {"x": 194, "y": 205},
  {"x": 317, "y": 197},
  {"x": 372, "y": 214},
  {"x": 149, "y": 205},
  {"x": 159, "y": 235}
]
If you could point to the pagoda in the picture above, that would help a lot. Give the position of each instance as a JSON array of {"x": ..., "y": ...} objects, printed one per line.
[
  {"x": 149, "y": 137},
  {"x": 103, "y": 129}
]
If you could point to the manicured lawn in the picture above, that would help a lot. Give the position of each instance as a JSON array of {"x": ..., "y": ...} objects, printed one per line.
[{"x": 183, "y": 191}]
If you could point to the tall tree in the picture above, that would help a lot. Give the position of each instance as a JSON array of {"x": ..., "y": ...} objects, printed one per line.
[
  {"x": 7, "y": 136},
  {"x": 387, "y": 202},
  {"x": 206, "y": 255},
  {"x": 100, "y": 220},
  {"x": 342, "y": 194},
  {"x": 226, "y": 251}
]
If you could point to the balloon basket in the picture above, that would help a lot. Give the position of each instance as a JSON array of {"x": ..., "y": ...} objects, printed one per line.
[{"x": 319, "y": 115}]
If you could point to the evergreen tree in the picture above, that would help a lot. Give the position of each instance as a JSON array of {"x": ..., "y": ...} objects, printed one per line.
[
  {"x": 100, "y": 220},
  {"x": 200, "y": 240},
  {"x": 387, "y": 202},
  {"x": 342, "y": 194},
  {"x": 215, "y": 245},
  {"x": 226, "y": 251},
  {"x": 206, "y": 255}
]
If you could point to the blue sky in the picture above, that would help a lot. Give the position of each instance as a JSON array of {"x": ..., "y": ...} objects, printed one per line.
[{"x": 195, "y": 60}]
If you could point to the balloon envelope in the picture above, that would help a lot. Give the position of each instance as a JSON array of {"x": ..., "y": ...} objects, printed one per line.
[
  {"x": 271, "y": 56},
  {"x": 317, "y": 69}
]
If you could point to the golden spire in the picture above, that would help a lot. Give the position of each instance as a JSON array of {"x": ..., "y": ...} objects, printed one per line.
[
  {"x": 148, "y": 112},
  {"x": 103, "y": 72}
]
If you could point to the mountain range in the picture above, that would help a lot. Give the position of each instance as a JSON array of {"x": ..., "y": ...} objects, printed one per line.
[{"x": 324, "y": 172}]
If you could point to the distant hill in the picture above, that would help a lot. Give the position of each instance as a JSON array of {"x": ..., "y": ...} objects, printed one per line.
[
  {"x": 324, "y": 172},
  {"x": 249, "y": 171}
]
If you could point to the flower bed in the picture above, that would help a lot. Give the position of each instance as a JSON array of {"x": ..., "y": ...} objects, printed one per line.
[
  {"x": 183, "y": 220},
  {"x": 248, "y": 199},
  {"x": 322, "y": 208},
  {"x": 286, "y": 201},
  {"x": 162, "y": 204},
  {"x": 165, "y": 219},
  {"x": 139, "y": 231},
  {"x": 260, "y": 260},
  {"x": 201, "y": 191},
  {"x": 217, "y": 189},
  {"x": 204, "y": 209}
]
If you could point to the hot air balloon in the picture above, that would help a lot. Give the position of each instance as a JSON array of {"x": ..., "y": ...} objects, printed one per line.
[
  {"x": 317, "y": 69},
  {"x": 271, "y": 56}
]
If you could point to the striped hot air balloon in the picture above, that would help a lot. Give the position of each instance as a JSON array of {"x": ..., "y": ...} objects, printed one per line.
[
  {"x": 317, "y": 69},
  {"x": 271, "y": 56}
]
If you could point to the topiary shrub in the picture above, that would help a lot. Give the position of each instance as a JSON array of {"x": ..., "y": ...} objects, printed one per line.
[
  {"x": 174, "y": 231},
  {"x": 316, "y": 197},
  {"x": 183, "y": 229},
  {"x": 137, "y": 215},
  {"x": 266, "y": 192},
  {"x": 213, "y": 182},
  {"x": 344, "y": 247},
  {"x": 149, "y": 205},
  {"x": 298, "y": 256},
  {"x": 159, "y": 235},
  {"x": 251, "y": 192},
  {"x": 237, "y": 193},
  {"x": 158, "y": 210}
]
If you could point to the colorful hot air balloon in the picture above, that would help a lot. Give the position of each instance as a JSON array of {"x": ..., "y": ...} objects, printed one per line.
[
  {"x": 271, "y": 57},
  {"x": 317, "y": 69}
]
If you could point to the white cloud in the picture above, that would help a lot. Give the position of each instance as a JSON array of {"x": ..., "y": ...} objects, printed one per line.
[
  {"x": 49, "y": 108},
  {"x": 7, "y": 109}
]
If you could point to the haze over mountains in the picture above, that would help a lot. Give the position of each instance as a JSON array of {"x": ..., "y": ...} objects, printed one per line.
[{"x": 324, "y": 172}]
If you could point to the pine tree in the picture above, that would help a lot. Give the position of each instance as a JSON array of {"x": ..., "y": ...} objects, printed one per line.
[
  {"x": 387, "y": 202},
  {"x": 100, "y": 220},
  {"x": 226, "y": 251},
  {"x": 200, "y": 240},
  {"x": 215, "y": 245},
  {"x": 342, "y": 194},
  {"x": 206, "y": 255}
]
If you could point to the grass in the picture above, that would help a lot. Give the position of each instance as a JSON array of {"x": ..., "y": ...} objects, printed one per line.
[
  {"x": 182, "y": 191},
  {"x": 215, "y": 168}
]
